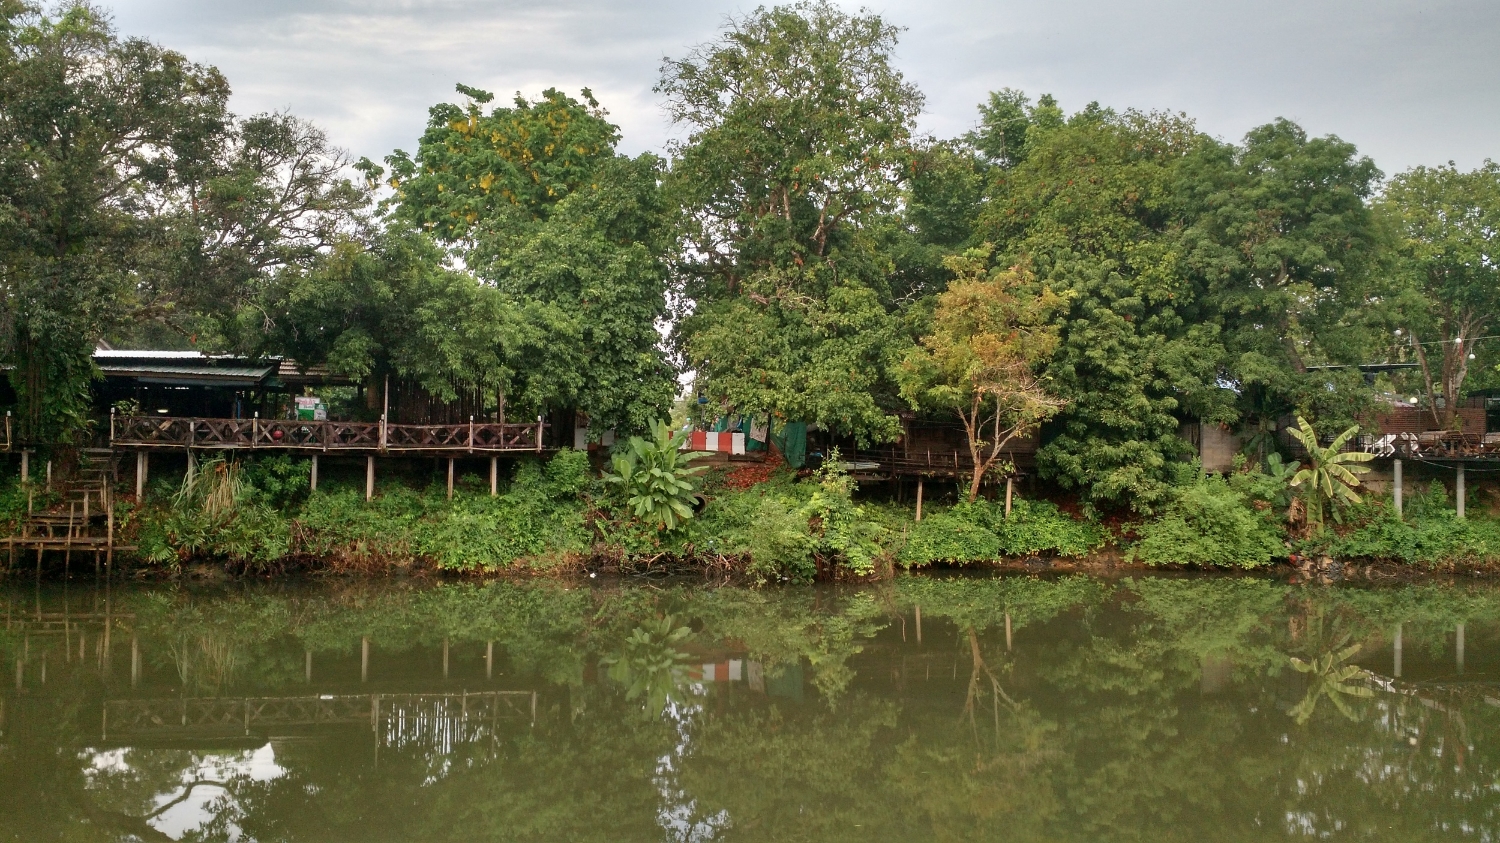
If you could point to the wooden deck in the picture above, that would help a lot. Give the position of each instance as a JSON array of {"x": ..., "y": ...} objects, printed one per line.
[{"x": 163, "y": 432}]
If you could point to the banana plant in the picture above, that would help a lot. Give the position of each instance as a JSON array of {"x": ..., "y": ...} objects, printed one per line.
[
  {"x": 649, "y": 665},
  {"x": 1330, "y": 676},
  {"x": 655, "y": 478},
  {"x": 1331, "y": 474}
]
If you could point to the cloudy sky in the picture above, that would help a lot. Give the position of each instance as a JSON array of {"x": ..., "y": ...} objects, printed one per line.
[{"x": 1414, "y": 82}]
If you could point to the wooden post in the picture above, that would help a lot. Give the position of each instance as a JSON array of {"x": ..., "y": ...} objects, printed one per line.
[
  {"x": 313, "y": 479},
  {"x": 25, "y": 467},
  {"x": 471, "y": 434},
  {"x": 1010, "y": 485},
  {"x": 49, "y": 475},
  {"x": 1396, "y": 469},
  {"x": 111, "y": 426},
  {"x": 489, "y": 659},
  {"x": 1458, "y": 492},
  {"x": 450, "y": 478},
  {"x": 307, "y": 666},
  {"x": 1007, "y": 632},
  {"x": 383, "y": 427},
  {"x": 445, "y": 657},
  {"x": 538, "y": 434},
  {"x": 364, "y": 658},
  {"x": 135, "y": 661},
  {"x": 369, "y": 478},
  {"x": 919, "y": 498},
  {"x": 254, "y": 428},
  {"x": 1458, "y": 649},
  {"x": 495, "y": 475},
  {"x": 192, "y": 467},
  {"x": 919, "y": 623}
]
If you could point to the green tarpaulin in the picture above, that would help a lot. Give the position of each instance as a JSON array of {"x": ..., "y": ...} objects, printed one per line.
[{"x": 791, "y": 441}]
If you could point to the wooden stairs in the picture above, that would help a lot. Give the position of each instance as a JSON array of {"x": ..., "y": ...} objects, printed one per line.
[{"x": 82, "y": 521}]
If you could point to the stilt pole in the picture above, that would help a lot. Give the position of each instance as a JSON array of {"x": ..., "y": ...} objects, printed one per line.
[
  {"x": 369, "y": 478},
  {"x": 919, "y": 498},
  {"x": 1396, "y": 481},
  {"x": 1458, "y": 492}
]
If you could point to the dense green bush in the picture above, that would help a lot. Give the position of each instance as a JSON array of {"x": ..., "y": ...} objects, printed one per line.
[
  {"x": 1430, "y": 534},
  {"x": 949, "y": 538},
  {"x": 1209, "y": 523},
  {"x": 541, "y": 514},
  {"x": 215, "y": 514},
  {"x": 977, "y": 531}
]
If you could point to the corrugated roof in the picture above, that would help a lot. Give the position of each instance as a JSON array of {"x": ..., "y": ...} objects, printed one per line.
[
  {"x": 185, "y": 374},
  {"x": 146, "y": 354}
]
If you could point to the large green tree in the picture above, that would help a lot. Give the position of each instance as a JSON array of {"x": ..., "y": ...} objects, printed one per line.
[
  {"x": 96, "y": 136},
  {"x": 1280, "y": 236},
  {"x": 573, "y": 237},
  {"x": 799, "y": 144},
  {"x": 1091, "y": 203},
  {"x": 1448, "y": 277}
]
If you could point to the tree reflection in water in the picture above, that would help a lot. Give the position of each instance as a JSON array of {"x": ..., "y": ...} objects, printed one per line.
[{"x": 1159, "y": 708}]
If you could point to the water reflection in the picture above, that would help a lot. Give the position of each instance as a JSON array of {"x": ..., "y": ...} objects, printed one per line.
[{"x": 1008, "y": 708}]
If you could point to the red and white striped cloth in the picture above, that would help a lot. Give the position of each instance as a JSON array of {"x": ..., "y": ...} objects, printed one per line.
[{"x": 708, "y": 440}]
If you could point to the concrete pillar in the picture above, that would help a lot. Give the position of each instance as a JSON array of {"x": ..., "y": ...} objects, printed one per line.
[
  {"x": 1010, "y": 485},
  {"x": 313, "y": 479},
  {"x": 25, "y": 466},
  {"x": 919, "y": 499},
  {"x": 494, "y": 476},
  {"x": 1396, "y": 484},
  {"x": 450, "y": 478},
  {"x": 369, "y": 477},
  {"x": 192, "y": 462},
  {"x": 49, "y": 475},
  {"x": 1458, "y": 648},
  {"x": 1458, "y": 492},
  {"x": 1398, "y": 651}
]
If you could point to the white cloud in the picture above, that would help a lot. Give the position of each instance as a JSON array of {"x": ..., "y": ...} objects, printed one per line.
[{"x": 1409, "y": 83}]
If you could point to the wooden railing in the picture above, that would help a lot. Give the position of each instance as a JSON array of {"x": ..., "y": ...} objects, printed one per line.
[{"x": 288, "y": 434}]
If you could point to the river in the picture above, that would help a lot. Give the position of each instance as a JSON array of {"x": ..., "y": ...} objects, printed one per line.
[{"x": 1011, "y": 708}]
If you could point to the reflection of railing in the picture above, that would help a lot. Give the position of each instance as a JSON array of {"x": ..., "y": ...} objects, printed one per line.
[
  {"x": 287, "y": 434},
  {"x": 417, "y": 714}
]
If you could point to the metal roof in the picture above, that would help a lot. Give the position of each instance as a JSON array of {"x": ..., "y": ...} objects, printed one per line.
[
  {"x": 207, "y": 373},
  {"x": 146, "y": 354}
]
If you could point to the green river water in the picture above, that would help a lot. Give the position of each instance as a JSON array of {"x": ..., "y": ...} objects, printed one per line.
[{"x": 928, "y": 708}]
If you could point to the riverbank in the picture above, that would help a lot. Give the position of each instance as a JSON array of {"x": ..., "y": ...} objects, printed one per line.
[{"x": 557, "y": 518}]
